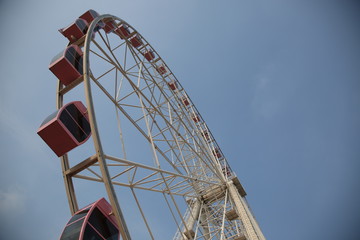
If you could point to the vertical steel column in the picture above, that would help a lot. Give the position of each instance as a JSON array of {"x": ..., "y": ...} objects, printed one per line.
[
  {"x": 251, "y": 228},
  {"x": 204, "y": 224},
  {"x": 253, "y": 221},
  {"x": 69, "y": 185},
  {"x": 192, "y": 219}
]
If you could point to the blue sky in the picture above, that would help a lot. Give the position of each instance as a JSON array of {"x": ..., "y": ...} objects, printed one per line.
[{"x": 278, "y": 83}]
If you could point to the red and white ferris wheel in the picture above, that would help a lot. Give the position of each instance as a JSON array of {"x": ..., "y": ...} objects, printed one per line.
[{"x": 160, "y": 167}]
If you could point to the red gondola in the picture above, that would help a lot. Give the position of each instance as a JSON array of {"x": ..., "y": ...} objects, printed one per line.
[
  {"x": 161, "y": 69},
  {"x": 110, "y": 26},
  {"x": 89, "y": 16},
  {"x": 172, "y": 84},
  {"x": 226, "y": 171},
  {"x": 195, "y": 117},
  {"x": 216, "y": 153},
  {"x": 75, "y": 31},
  {"x": 123, "y": 31},
  {"x": 66, "y": 128},
  {"x": 205, "y": 135},
  {"x": 67, "y": 65},
  {"x": 149, "y": 55},
  {"x": 185, "y": 100},
  {"x": 94, "y": 222},
  {"x": 136, "y": 41}
]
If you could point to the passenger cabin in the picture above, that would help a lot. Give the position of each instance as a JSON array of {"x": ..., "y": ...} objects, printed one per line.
[
  {"x": 195, "y": 118},
  {"x": 172, "y": 85},
  {"x": 94, "y": 222},
  {"x": 136, "y": 41},
  {"x": 216, "y": 153},
  {"x": 66, "y": 128},
  {"x": 67, "y": 66},
  {"x": 75, "y": 31},
  {"x": 185, "y": 100},
  {"x": 161, "y": 69},
  {"x": 89, "y": 16},
  {"x": 226, "y": 171},
  {"x": 109, "y": 26},
  {"x": 123, "y": 31},
  {"x": 149, "y": 55},
  {"x": 205, "y": 135}
]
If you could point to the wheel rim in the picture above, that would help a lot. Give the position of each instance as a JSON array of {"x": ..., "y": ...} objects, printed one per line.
[{"x": 188, "y": 165}]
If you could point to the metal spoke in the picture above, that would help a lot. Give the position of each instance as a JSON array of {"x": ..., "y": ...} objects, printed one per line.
[{"x": 183, "y": 163}]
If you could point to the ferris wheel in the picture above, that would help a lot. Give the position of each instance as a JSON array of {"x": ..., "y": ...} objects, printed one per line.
[{"x": 151, "y": 149}]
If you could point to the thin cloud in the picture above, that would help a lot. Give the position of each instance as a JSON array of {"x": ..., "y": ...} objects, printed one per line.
[
  {"x": 17, "y": 127},
  {"x": 12, "y": 200}
]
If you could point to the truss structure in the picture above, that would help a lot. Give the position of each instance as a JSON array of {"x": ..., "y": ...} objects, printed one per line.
[{"x": 174, "y": 153}]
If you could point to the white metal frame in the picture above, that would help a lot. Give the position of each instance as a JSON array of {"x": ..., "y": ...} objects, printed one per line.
[{"x": 192, "y": 172}]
